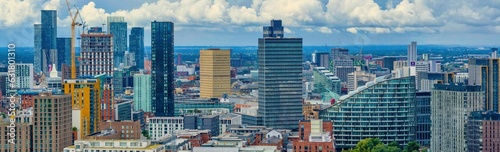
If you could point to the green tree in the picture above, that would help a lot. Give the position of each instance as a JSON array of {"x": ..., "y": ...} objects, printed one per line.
[
  {"x": 374, "y": 145},
  {"x": 145, "y": 133},
  {"x": 74, "y": 129},
  {"x": 412, "y": 147}
]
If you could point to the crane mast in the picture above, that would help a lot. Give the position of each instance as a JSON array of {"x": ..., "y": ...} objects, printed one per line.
[{"x": 73, "y": 24}]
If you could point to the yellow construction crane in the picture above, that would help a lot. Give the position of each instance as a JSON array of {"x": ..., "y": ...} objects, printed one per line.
[{"x": 73, "y": 24}]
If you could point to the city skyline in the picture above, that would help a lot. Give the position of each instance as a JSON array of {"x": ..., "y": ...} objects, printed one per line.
[{"x": 319, "y": 22}]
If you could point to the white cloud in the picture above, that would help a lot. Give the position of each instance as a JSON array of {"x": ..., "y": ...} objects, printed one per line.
[{"x": 324, "y": 29}]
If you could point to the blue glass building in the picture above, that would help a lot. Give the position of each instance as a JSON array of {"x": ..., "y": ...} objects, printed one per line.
[
  {"x": 383, "y": 109},
  {"x": 63, "y": 52},
  {"x": 423, "y": 134},
  {"x": 136, "y": 45},
  {"x": 280, "y": 79},
  {"x": 162, "y": 68},
  {"x": 37, "y": 56},
  {"x": 48, "y": 37},
  {"x": 119, "y": 31}
]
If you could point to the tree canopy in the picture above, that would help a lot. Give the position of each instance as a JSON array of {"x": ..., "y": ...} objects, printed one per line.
[{"x": 375, "y": 145}]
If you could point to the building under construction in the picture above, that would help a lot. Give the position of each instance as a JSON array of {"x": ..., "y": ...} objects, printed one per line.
[{"x": 96, "y": 56}]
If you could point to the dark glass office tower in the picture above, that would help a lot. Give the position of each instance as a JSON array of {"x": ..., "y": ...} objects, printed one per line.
[
  {"x": 37, "y": 56},
  {"x": 136, "y": 45},
  {"x": 49, "y": 34},
  {"x": 162, "y": 68},
  {"x": 275, "y": 30},
  {"x": 280, "y": 81},
  {"x": 119, "y": 31},
  {"x": 63, "y": 52}
]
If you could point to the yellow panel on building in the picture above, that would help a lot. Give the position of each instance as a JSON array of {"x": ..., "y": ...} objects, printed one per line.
[{"x": 215, "y": 73}]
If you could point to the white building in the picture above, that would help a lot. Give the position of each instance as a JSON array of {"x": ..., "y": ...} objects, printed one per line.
[
  {"x": 129, "y": 59},
  {"x": 114, "y": 146},
  {"x": 228, "y": 119},
  {"x": 142, "y": 92},
  {"x": 161, "y": 126},
  {"x": 412, "y": 52},
  {"x": 186, "y": 68},
  {"x": 24, "y": 76},
  {"x": 54, "y": 82},
  {"x": 358, "y": 78},
  {"x": 461, "y": 77}
]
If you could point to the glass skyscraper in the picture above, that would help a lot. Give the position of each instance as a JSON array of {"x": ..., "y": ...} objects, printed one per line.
[
  {"x": 162, "y": 68},
  {"x": 63, "y": 52},
  {"x": 383, "y": 109},
  {"x": 37, "y": 57},
  {"x": 48, "y": 37},
  {"x": 119, "y": 31},
  {"x": 280, "y": 78},
  {"x": 136, "y": 45}
]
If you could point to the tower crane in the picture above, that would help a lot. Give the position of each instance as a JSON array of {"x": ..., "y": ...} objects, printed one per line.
[{"x": 73, "y": 24}]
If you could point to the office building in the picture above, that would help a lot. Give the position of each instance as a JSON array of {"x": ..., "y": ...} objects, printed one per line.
[
  {"x": 162, "y": 68},
  {"x": 275, "y": 30},
  {"x": 358, "y": 78},
  {"x": 342, "y": 72},
  {"x": 484, "y": 72},
  {"x": 118, "y": 81},
  {"x": 48, "y": 38},
  {"x": 96, "y": 55},
  {"x": 321, "y": 59},
  {"x": 85, "y": 103},
  {"x": 412, "y": 53},
  {"x": 208, "y": 122},
  {"x": 136, "y": 45},
  {"x": 114, "y": 145},
  {"x": 142, "y": 92},
  {"x": 423, "y": 132},
  {"x": 353, "y": 114},
  {"x": 161, "y": 126},
  {"x": 119, "y": 32},
  {"x": 37, "y": 52},
  {"x": 338, "y": 53},
  {"x": 202, "y": 106},
  {"x": 52, "y": 122},
  {"x": 426, "y": 80},
  {"x": 215, "y": 73},
  {"x": 280, "y": 80},
  {"x": 63, "y": 52},
  {"x": 228, "y": 119},
  {"x": 451, "y": 106},
  {"x": 325, "y": 81},
  {"x": 113, "y": 19},
  {"x": 388, "y": 62},
  {"x": 24, "y": 76},
  {"x": 123, "y": 109},
  {"x": 315, "y": 135},
  {"x": 482, "y": 133}
]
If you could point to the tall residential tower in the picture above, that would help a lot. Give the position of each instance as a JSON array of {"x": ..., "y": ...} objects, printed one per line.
[{"x": 162, "y": 68}]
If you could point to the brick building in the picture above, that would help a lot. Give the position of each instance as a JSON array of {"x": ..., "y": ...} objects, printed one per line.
[
  {"x": 195, "y": 137},
  {"x": 117, "y": 130},
  {"x": 315, "y": 135},
  {"x": 483, "y": 131}
]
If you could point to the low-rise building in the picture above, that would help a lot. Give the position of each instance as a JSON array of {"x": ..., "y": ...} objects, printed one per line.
[
  {"x": 114, "y": 145},
  {"x": 315, "y": 135},
  {"x": 228, "y": 119},
  {"x": 195, "y": 137},
  {"x": 161, "y": 126},
  {"x": 209, "y": 122}
]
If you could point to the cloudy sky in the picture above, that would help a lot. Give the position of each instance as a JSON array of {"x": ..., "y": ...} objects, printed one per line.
[{"x": 239, "y": 22}]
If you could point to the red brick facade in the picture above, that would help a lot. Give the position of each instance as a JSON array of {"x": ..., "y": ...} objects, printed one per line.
[{"x": 491, "y": 136}]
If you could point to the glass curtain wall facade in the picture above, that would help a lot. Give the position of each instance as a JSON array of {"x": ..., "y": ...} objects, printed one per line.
[
  {"x": 136, "y": 45},
  {"x": 280, "y": 82},
  {"x": 162, "y": 68},
  {"x": 119, "y": 31},
  {"x": 383, "y": 109}
]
